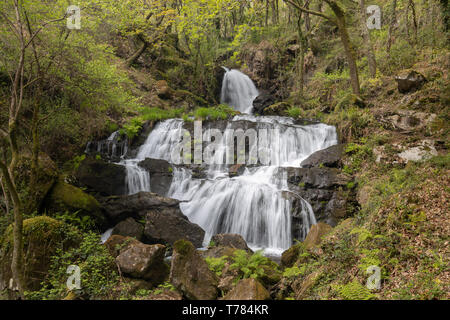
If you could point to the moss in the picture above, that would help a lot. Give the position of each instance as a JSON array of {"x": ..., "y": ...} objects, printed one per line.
[
  {"x": 65, "y": 197},
  {"x": 183, "y": 247}
]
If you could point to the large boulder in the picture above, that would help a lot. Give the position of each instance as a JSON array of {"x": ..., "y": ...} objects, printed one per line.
[
  {"x": 116, "y": 244},
  {"x": 42, "y": 236},
  {"x": 67, "y": 198},
  {"x": 410, "y": 82},
  {"x": 190, "y": 274},
  {"x": 329, "y": 157},
  {"x": 143, "y": 261},
  {"x": 262, "y": 101},
  {"x": 99, "y": 176},
  {"x": 235, "y": 241},
  {"x": 119, "y": 208},
  {"x": 161, "y": 173},
  {"x": 171, "y": 225},
  {"x": 248, "y": 289},
  {"x": 129, "y": 228},
  {"x": 316, "y": 233}
]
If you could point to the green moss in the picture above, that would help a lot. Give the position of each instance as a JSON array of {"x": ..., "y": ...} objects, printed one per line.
[{"x": 183, "y": 247}]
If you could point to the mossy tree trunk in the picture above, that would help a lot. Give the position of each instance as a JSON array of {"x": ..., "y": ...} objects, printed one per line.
[{"x": 367, "y": 41}]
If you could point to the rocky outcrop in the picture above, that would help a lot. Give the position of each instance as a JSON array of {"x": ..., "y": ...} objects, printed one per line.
[
  {"x": 143, "y": 261},
  {"x": 230, "y": 240},
  {"x": 119, "y": 208},
  {"x": 327, "y": 190},
  {"x": 248, "y": 289},
  {"x": 129, "y": 228},
  {"x": 64, "y": 197},
  {"x": 316, "y": 234},
  {"x": 171, "y": 225},
  {"x": 329, "y": 157},
  {"x": 262, "y": 101},
  {"x": 161, "y": 173},
  {"x": 410, "y": 82},
  {"x": 405, "y": 120},
  {"x": 101, "y": 177},
  {"x": 190, "y": 274}
]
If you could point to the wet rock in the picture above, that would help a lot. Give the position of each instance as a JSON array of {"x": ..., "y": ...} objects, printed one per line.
[
  {"x": 129, "y": 228},
  {"x": 248, "y": 289},
  {"x": 171, "y": 225},
  {"x": 329, "y": 157},
  {"x": 262, "y": 101},
  {"x": 190, "y": 274},
  {"x": 289, "y": 256},
  {"x": 101, "y": 177},
  {"x": 143, "y": 261},
  {"x": 119, "y": 208},
  {"x": 318, "y": 178},
  {"x": 316, "y": 234},
  {"x": 410, "y": 82},
  {"x": 235, "y": 241},
  {"x": 161, "y": 173}
]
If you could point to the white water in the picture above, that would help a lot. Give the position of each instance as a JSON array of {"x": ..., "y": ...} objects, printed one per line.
[
  {"x": 252, "y": 204},
  {"x": 238, "y": 91}
]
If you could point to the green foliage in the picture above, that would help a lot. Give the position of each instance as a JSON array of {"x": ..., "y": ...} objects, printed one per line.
[
  {"x": 250, "y": 266},
  {"x": 74, "y": 218},
  {"x": 354, "y": 291},
  {"x": 98, "y": 271},
  {"x": 295, "y": 112},
  {"x": 216, "y": 264},
  {"x": 294, "y": 272}
]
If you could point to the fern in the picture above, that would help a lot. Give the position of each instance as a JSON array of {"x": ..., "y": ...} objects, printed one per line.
[{"x": 355, "y": 291}]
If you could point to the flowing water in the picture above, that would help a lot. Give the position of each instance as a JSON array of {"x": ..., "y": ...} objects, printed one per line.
[{"x": 252, "y": 204}]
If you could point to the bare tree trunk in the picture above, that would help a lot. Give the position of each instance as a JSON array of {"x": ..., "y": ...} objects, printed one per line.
[
  {"x": 392, "y": 26},
  {"x": 367, "y": 41}
]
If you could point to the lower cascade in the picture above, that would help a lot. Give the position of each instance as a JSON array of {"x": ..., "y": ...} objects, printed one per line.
[{"x": 253, "y": 204}]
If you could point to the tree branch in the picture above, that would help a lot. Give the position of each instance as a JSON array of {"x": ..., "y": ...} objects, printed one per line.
[{"x": 316, "y": 13}]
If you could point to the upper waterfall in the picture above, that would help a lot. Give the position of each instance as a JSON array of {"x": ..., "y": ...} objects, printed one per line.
[{"x": 238, "y": 91}]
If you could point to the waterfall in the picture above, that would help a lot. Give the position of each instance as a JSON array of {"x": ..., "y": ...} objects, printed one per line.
[
  {"x": 238, "y": 91},
  {"x": 252, "y": 204}
]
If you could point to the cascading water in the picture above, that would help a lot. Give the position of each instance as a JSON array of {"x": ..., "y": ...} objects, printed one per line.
[
  {"x": 253, "y": 204},
  {"x": 238, "y": 91}
]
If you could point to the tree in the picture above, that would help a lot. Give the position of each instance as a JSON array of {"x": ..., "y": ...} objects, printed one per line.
[
  {"x": 339, "y": 20},
  {"x": 367, "y": 42}
]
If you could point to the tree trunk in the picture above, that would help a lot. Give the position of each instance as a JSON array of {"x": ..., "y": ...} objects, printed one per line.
[
  {"x": 131, "y": 60},
  {"x": 348, "y": 48},
  {"x": 368, "y": 44},
  {"x": 392, "y": 26}
]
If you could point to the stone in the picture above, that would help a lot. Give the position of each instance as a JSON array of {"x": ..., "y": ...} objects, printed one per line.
[
  {"x": 101, "y": 177},
  {"x": 144, "y": 261},
  {"x": 190, "y": 274},
  {"x": 302, "y": 285},
  {"x": 119, "y": 208},
  {"x": 235, "y": 241},
  {"x": 65, "y": 197},
  {"x": 262, "y": 101},
  {"x": 171, "y": 225},
  {"x": 163, "y": 90},
  {"x": 289, "y": 256},
  {"x": 117, "y": 244},
  {"x": 410, "y": 82},
  {"x": 129, "y": 228},
  {"x": 329, "y": 157},
  {"x": 161, "y": 173},
  {"x": 248, "y": 289},
  {"x": 316, "y": 234}
]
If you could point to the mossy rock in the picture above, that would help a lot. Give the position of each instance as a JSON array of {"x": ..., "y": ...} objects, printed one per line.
[
  {"x": 42, "y": 236},
  {"x": 290, "y": 256},
  {"x": 67, "y": 198}
]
